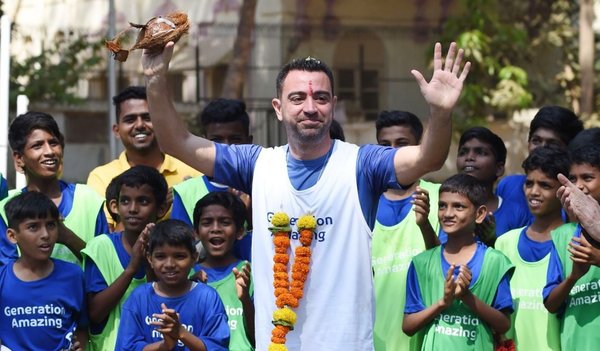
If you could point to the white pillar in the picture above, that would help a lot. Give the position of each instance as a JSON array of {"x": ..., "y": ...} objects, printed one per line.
[
  {"x": 22, "y": 107},
  {"x": 4, "y": 85}
]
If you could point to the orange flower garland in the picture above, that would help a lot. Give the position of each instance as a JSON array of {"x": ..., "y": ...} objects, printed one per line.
[{"x": 287, "y": 294}]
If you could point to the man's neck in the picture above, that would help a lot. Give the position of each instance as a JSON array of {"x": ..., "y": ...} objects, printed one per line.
[
  {"x": 153, "y": 158},
  {"x": 309, "y": 151}
]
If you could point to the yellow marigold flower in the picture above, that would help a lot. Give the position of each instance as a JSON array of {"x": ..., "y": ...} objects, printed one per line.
[
  {"x": 307, "y": 222},
  {"x": 285, "y": 315},
  {"x": 277, "y": 347},
  {"x": 280, "y": 219}
]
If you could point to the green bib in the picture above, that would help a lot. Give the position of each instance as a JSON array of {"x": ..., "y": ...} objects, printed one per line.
[
  {"x": 190, "y": 191},
  {"x": 102, "y": 251},
  {"x": 581, "y": 320},
  {"x": 233, "y": 307},
  {"x": 81, "y": 219},
  {"x": 532, "y": 327},
  {"x": 457, "y": 328},
  {"x": 392, "y": 251}
]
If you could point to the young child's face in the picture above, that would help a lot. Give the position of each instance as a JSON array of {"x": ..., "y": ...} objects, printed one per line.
[
  {"x": 230, "y": 133},
  {"x": 42, "y": 155},
  {"x": 476, "y": 158},
  {"x": 457, "y": 214},
  {"x": 396, "y": 136},
  {"x": 217, "y": 231},
  {"x": 35, "y": 237},
  {"x": 137, "y": 207},
  {"x": 172, "y": 264},
  {"x": 540, "y": 192},
  {"x": 587, "y": 178}
]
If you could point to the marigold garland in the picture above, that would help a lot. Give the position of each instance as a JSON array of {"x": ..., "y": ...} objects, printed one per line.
[{"x": 288, "y": 293}]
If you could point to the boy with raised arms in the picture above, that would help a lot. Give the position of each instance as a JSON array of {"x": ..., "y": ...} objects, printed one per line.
[
  {"x": 37, "y": 149},
  {"x": 42, "y": 299},
  {"x": 219, "y": 224},
  {"x": 114, "y": 263},
  {"x": 528, "y": 248},
  {"x": 572, "y": 287},
  {"x": 173, "y": 313},
  {"x": 458, "y": 294}
]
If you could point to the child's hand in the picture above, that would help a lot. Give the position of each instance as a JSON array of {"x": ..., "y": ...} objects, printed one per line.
[
  {"x": 138, "y": 252},
  {"x": 242, "y": 281},
  {"x": 584, "y": 252},
  {"x": 463, "y": 281},
  {"x": 486, "y": 231},
  {"x": 580, "y": 255},
  {"x": 200, "y": 276},
  {"x": 420, "y": 200},
  {"x": 76, "y": 345},
  {"x": 449, "y": 288},
  {"x": 168, "y": 323}
]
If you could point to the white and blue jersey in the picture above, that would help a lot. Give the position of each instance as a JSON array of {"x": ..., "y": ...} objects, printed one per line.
[
  {"x": 42, "y": 314},
  {"x": 200, "y": 311}
]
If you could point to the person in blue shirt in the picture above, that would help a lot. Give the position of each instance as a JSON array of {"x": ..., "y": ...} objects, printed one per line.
[
  {"x": 458, "y": 294},
  {"x": 37, "y": 149},
  {"x": 551, "y": 125},
  {"x": 42, "y": 299},
  {"x": 3, "y": 187},
  {"x": 482, "y": 154},
  {"x": 173, "y": 313}
]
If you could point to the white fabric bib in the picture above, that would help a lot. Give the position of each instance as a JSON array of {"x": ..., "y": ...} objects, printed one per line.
[{"x": 337, "y": 310}]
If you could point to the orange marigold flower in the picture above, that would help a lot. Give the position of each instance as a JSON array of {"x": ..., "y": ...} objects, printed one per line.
[
  {"x": 297, "y": 284},
  {"x": 280, "y": 291},
  {"x": 280, "y": 275},
  {"x": 280, "y": 331},
  {"x": 281, "y": 250},
  {"x": 281, "y": 241},
  {"x": 300, "y": 276},
  {"x": 277, "y": 340},
  {"x": 279, "y": 267},
  {"x": 281, "y": 258},
  {"x": 286, "y": 300},
  {"x": 303, "y": 251},
  {"x": 302, "y": 260},
  {"x": 280, "y": 283},
  {"x": 300, "y": 267},
  {"x": 297, "y": 293},
  {"x": 306, "y": 237}
]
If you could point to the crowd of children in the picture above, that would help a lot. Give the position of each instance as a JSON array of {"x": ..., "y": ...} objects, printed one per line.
[{"x": 460, "y": 265}]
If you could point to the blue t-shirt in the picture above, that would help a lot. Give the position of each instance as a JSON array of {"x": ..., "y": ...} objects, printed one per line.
[
  {"x": 3, "y": 188},
  {"x": 555, "y": 274},
  {"x": 375, "y": 172},
  {"x": 8, "y": 250},
  {"x": 217, "y": 273},
  {"x": 42, "y": 314},
  {"x": 392, "y": 212},
  {"x": 200, "y": 311},
  {"x": 531, "y": 250},
  {"x": 414, "y": 300}
]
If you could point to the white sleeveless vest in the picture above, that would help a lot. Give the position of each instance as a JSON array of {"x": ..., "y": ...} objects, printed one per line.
[{"x": 337, "y": 310}]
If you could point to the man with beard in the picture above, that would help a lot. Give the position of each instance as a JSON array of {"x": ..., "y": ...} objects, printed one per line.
[
  {"x": 337, "y": 182},
  {"x": 134, "y": 128}
]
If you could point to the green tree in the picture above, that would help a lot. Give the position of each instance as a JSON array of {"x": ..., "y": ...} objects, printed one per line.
[{"x": 52, "y": 75}]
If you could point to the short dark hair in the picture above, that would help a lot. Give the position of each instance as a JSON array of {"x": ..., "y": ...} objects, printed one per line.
[
  {"x": 589, "y": 154},
  {"x": 560, "y": 120},
  {"x": 465, "y": 185},
  {"x": 139, "y": 175},
  {"x": 172, "y": 232},
  {"x": 112, "y": 193},
  {"x": 29, "y": 205},
  {"x": 24, "y": 124},
  {"x": 229, "y": 201},
  {"x": 400, "y": 118},
  {"x": 308, "y": 64},
  {"x": 585, "y": 138},
  {"x": 336, "y": 131},
  {"x": 129, "y": 93},
  {"x": 487, "y": 136},
  {"x": 224, "y": 111},
  {"x": 550, "y": 159}
]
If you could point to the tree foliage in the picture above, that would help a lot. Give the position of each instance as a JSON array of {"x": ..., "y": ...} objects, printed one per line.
[{"x": 53, "y": 74}]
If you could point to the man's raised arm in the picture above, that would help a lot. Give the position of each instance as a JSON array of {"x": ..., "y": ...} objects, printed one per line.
[
  {"x": 171, "y": 131},
  {"x": 441, "y": 94}
]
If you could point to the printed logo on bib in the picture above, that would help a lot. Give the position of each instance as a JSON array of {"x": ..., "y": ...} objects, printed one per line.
[
  {"x": 395, "y": 262},
  {"x": 528, "y": 299},
  {"x": 459, "y": 326},
  {"x": 35, "y": 316},
  {"x": 158, "y": 335},
  {"x": 585, "y": 294},
  {"x": 320, "y": 234},
  {"x": 233, "y": 314}
]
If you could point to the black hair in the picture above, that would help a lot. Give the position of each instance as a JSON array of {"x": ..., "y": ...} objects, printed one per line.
[
  {"x": 229, "y": 201},
  {"x": 224, "y": 111},
  {"x": 465, "y": 185},
  {"x": 24, "y": 124},
  {"x": 172, "y": 232},
  {"x": 129, "y": 93},
  {"x": 29, "y": 205},
  {"x": 560, "y": 120},
  {"x": 487, "y": 136},
  {"x": 400, "y": 118},
  {"x": 551, "y": 160},
  {"x": 336, "y": 131},
  {"x": 589, "y": 154},
  {"x": 309, "y": 64},
  {"x": 112, "y": 193},
  {"x": 139, "y": 175},
  {"x": 585, "y": 138}
]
